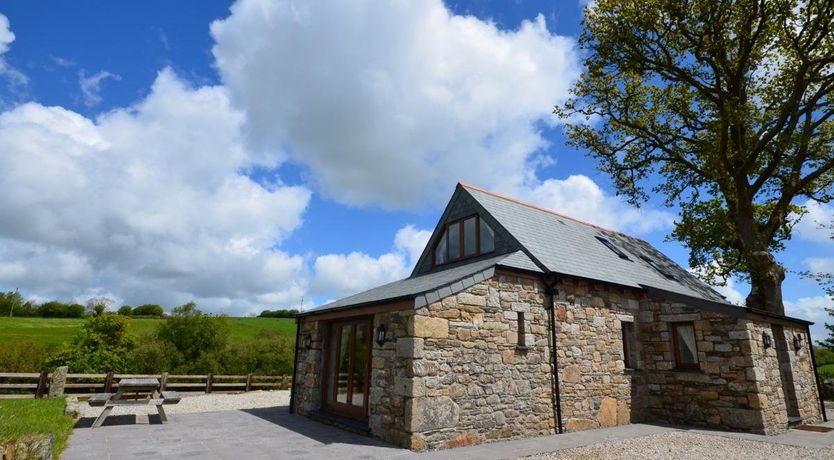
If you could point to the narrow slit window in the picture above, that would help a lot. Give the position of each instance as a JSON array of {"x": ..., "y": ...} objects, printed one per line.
[
  {"x": 613, "y": 248},
  {"x": 629, "y": 346},
  {"x": 657, "y": 267},
  {"x": 522, "y": 332}
]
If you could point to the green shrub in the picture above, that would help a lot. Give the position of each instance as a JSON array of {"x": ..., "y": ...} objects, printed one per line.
[
  {"x": 824, "y": 355},
  {"x": 125, "y": 310},
  {"x": 278, "y": 314},
  {"x": 103, "y": 345},
  {"x": 149, "y": 310},
  {"x": 193, "y": 333},
  {"x": 55, "y": 309},
  {"x": 22, "y": 356}
]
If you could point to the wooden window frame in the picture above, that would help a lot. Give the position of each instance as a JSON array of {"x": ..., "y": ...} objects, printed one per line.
[
  {"x": 461, "y": 241},
  {"x": 627, "y": 347},
  {"x": 676, "y": 346},
  {"x": 521, "y": 341}
]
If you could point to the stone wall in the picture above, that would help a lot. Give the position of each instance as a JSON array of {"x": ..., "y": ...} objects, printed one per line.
[
  {"x": 471, "y": 383},
  {"x": 389, "y": 382},
  {"x": 308, "y": 375},
  {"x": 596, "y": 390}
]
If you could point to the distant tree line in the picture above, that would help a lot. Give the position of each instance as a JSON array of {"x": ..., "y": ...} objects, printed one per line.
[{"x": 278, "y": 314}]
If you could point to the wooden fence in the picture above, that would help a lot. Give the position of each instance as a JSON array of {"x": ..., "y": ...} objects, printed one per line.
[{"x": 29, "y": 385}]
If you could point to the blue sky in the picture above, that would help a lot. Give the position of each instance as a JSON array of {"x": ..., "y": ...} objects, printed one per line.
[{"x": 246, "y": 158}]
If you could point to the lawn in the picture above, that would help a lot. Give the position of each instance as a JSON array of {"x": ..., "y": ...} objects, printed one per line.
[
  {"x": 826, "y": 369},
  {"x": 22, "y": 417},
  {"x": 54, "y": 331}
]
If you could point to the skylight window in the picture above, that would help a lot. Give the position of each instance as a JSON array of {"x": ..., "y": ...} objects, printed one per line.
[
  {"x": 613, "y": 248},
  {"x": 657, "y": 267}
]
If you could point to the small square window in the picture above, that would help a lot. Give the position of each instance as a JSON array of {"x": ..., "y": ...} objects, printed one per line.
[
  {"x": 630, "y": 357},
  {"x": 686, "y": 350}
]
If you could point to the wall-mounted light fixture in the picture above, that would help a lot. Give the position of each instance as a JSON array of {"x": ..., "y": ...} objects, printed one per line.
[
  {"x": 797, "y": 342},
  {"x": 308, "y": 341},
  {"x": 766, "y": 340},
  {"x": 380, "y": 334}
]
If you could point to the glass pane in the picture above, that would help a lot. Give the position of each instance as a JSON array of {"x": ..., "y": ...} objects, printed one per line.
[
  {"x": 332, "y": 361},
  {"x": 487, "y": 238},
  {"x": 469, "y": 238},
  {"x": 440, "y": 251},
  {"x": 686, "y": 344},
  {"x": 344, "y": 365},
  {"x": 454, "y": 241},
  {"x": 360, "y": 354}
]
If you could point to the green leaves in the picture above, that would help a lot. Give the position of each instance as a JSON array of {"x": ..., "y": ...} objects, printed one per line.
[{"x": 723, "y": 107}]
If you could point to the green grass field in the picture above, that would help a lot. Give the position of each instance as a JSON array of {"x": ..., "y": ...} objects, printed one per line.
[
  {"x": 54, "y": 331},
  {"x": 25, "y": 417},
  {"x": 826, "y": 369}
]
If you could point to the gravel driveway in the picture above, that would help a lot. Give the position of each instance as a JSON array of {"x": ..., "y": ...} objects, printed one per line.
[
  {"x": 202, "y": 403},
  {"x": 686, "y": 446}
]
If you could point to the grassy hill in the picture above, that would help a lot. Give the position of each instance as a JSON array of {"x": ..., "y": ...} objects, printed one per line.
[{"x": 54, "y": 331}]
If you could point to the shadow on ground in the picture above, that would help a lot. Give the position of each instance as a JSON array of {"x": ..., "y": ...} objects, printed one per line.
[{"x": 114, "y": 420}]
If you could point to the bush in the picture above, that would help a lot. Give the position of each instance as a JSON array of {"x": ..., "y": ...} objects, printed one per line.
[
  {"x": 824, "y": 355},
  {"x": 149, "y": 310},
  {"x": 193, "y": 333},
  {"x": 103, "y": 345},
  {"x": 22, "y": 356},
  {"x": 125, "y": 310}
]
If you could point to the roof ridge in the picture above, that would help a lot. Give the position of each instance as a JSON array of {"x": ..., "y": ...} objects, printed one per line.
[{"x": 540, "y": 208}]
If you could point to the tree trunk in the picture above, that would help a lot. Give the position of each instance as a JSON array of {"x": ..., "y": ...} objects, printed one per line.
[{"x": 766, "y": 276}]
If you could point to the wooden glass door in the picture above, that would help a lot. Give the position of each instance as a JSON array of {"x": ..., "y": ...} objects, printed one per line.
[{"x": 348, "y": 368}]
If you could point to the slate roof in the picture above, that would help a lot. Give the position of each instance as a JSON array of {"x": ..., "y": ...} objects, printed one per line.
[
  {"x": 431, "y": 286},
  {"x": 550, "y": 242},
  {"x": 568, "y": 246}
]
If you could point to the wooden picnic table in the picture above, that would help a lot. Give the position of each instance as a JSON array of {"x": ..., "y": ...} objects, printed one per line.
[{"x": 142, "y": 391}]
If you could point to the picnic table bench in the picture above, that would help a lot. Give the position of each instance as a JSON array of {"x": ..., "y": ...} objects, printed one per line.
[{"x": 144, "y": 391}]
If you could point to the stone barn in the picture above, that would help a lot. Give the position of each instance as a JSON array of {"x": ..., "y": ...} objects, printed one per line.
[{"x": 518, "y": 321}]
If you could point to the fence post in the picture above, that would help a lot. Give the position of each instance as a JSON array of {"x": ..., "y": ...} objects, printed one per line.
[
  {"x": 284, "y": 382},
  {"x": 108, "y": 383},
  {"x": 208, "y": 382},
  {"x": 57, "y": 382},
  {"x": 41, "y": 384},
  {"x": 163, "y": 381},
  {"x": 248, "y": 382}
]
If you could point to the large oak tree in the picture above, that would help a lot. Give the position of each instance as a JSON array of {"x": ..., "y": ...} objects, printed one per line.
[{"x": 724, "y": 108}]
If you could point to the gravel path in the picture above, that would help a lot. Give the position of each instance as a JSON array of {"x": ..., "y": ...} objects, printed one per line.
[
  {"x": 686, "y": 446},
  {"x": 202, "y": 403}
]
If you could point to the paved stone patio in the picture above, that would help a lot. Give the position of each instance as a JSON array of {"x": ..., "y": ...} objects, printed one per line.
[{"x": 274, "y": 433}]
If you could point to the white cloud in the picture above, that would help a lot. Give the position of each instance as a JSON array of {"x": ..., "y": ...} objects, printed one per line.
[
  {"x": 391, "y": 103},
  {"x": 820, "y": 264},
  {"x": 14, "y": 76},
  {"x": 816, "y": 225},
  {"x": 6, "y": 34},
  {"x": 731, "y": 293},
  {"x": 812, "y": 309},
  {"x": 340, "y": 275},
  {"x": 146, "y": 202},
  {"x": 579, "y": 196},
  {"x": 91, "y": 85}
]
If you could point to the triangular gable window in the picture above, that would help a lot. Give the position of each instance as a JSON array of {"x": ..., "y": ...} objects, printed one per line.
[{"x": 462, "y": 239}]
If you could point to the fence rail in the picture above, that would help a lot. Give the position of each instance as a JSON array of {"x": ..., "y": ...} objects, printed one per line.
[{"x": 37, "y": 385}]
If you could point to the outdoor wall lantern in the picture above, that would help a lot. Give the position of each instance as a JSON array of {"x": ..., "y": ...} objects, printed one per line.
[
  {"x": 380, "y": 334},
  {"x": 797, "y": 342},
  {"x": 308, "y": 341},
  {"x": 766, "y": 340}
]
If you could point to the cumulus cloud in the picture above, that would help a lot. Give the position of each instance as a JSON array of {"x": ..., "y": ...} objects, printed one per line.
[
  {"x": 820, "y": 264},
  {"x": 390, "y": 103},
  {"x": 812, "y": 309},
  {"x": 147, "y": 202},
  {"x": 14, "y": 76},
  {"x": 579, "y": 196},
  {"x": 340, "y": 275},
  {"x": 817, "y": 224},
  {"x": 91, "y": 85}
]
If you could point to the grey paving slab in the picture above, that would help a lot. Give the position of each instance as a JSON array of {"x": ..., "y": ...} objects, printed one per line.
[{"x": 274, "y": 433}]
